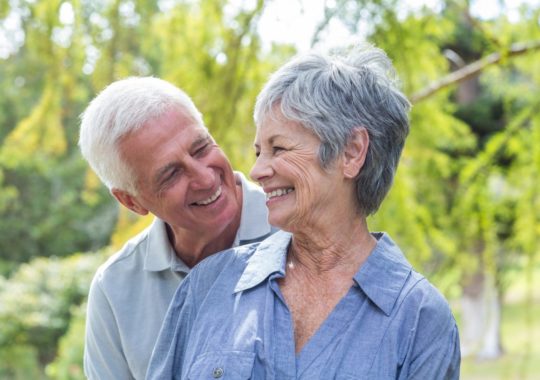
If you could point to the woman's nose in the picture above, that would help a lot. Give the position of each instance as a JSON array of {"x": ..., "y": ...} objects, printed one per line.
[{"x": 261, "y": 169}]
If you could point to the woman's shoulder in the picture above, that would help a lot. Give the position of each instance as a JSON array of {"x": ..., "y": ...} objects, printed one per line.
[
  {"x": 422, "y": 296},
  {"x": 415, "y": 294}
]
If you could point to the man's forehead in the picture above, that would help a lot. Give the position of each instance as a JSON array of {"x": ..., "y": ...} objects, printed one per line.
[
  {"x": 183, "y": 121},
  {"x": 184, "y": 116}
]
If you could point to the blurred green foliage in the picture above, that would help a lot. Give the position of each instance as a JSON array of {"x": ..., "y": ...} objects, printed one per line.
[
  {"x": 68, "y": 365},
  {"x": 37, "y": 304}
]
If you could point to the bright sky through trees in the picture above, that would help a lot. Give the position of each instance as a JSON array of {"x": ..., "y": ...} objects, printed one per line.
[{"x": 286, "y": 21}]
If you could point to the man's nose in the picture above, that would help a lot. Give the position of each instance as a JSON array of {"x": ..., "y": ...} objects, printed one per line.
[{"x": 202, "y": 177}]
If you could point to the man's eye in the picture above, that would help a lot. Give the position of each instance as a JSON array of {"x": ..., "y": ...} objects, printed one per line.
[
  {"x": 171, "y": 175},
  {"x": 277, "y": 149},
  {"x": 201, "y": 150}
]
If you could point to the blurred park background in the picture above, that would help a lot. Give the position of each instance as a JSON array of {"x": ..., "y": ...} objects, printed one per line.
[{"x": 465, "y": 206}]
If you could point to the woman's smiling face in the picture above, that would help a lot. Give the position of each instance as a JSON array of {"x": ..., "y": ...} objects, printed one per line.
[{"x": 298, "y": 189}]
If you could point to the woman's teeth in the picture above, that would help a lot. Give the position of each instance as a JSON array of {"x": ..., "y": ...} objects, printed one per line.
[{"x": 278, "y": 193}]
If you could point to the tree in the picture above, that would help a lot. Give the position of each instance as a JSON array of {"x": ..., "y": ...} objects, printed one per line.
[
  {"x": 48, "y": 212},
  {"x": 50, "y": 203}
]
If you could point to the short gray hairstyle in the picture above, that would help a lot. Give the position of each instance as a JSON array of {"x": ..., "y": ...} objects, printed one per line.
[
  {"x": 121, "y": 108},
  {"x": 334, "y": 95}
]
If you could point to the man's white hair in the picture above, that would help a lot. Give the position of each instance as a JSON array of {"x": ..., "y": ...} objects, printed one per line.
[{"x": 121, "y": 108}]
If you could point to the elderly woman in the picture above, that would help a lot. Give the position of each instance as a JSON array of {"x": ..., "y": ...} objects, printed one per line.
[{"x": 325, "y": 298}]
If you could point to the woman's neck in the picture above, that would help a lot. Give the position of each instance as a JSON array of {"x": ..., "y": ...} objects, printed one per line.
[{"x": 338, "y": 247}]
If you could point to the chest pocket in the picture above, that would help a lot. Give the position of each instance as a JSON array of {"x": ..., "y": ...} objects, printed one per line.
[{"x": 222, "y": 365}]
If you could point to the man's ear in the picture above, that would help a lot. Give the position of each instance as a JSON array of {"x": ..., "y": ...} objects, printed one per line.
[
  {"x": 355, "y": 152},
  {"x": 128, "y": 201}
]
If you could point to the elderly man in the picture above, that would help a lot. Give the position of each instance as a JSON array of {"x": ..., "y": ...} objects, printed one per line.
[{"x": 147, "y": 142}]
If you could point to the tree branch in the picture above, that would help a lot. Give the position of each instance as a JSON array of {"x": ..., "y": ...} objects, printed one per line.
[{"x": 472, "y": 69}]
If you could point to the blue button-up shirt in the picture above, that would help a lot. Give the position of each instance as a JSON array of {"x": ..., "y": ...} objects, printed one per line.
[{"x": 229, "y": 320}]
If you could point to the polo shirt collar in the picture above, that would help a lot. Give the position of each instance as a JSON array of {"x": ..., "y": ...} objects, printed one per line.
[
  {"x": 160, "y": 254},
  {"x": 384, "y": 273},
  {"x": 254, "y": 219},
  {"x": 381, "y": 277}
]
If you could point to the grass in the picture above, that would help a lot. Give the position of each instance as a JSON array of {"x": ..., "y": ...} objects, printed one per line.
[{"x": 520, "y": 338}]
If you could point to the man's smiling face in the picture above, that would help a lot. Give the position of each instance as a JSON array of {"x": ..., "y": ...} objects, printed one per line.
[{"x": 183, "y": 177}]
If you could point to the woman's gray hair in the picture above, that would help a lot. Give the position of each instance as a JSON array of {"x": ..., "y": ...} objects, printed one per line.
[
  {"x": 334, "y": 95},
  {"x": 121, "y": 108}
]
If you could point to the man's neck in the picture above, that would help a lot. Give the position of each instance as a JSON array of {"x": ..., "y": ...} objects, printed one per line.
[{"x": 192, "y": 247}]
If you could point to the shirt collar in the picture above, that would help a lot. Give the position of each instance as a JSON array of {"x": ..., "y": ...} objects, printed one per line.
[
  {"x": 381, "y": 277},
  {"x": 269, "y": 257},
  {"x": 254, "y": 220},
  {"x": 160, "y": 254},
  {"x": 383, "y": 274}
]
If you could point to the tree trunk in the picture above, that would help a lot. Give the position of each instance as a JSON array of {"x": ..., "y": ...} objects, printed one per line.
[{"x": 481, "y": 318}]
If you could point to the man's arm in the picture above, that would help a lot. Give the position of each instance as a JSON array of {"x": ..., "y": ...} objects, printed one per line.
[
  {"x": 103, "y": 354},
  {"x": 167, "y": 356}
]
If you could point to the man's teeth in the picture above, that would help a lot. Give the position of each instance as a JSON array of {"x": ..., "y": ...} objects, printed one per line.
[
  {"x": 278, "y": 193},
  {"x": 211, "y": 199}
]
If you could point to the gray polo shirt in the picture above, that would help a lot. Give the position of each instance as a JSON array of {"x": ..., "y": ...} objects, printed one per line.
[{"x": 131, "y": 292}]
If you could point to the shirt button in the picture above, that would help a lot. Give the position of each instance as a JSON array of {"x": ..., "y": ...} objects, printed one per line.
[{"x": 217, "y": 372}]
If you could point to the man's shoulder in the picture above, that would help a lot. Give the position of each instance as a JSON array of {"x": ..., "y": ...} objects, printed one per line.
[
  {"x": 232, "y": 259},
  {"x": 131, "y": 252},
  {"x": 224, "y": 268}
]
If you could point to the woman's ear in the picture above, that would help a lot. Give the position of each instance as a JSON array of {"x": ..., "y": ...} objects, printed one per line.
[
  {"x": 129, "y": 201},
  {"x": 355, "y": 152}
]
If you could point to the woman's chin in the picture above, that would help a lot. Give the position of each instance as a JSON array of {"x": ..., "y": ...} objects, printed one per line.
[
  {"x": 278, "y": 221},
  {"x": 284, "y": 224}
]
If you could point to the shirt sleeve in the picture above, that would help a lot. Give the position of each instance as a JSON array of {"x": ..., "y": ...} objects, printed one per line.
[
  {"x": 103, "y": 354},
  {"x": 166, "y": 360},
  {"x": 434, "y": 348}
]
